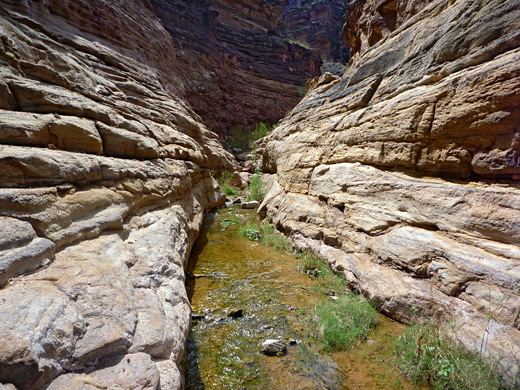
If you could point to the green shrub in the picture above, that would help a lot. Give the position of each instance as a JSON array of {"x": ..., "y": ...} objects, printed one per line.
[
  {"x": 224, "y": 181},
  {"x": 339, "y": 324},
  {"x": 427, "y": 354},
  {"x": 243, "y": 139},
  {"x": 256, "y": 188},
  {"x": 262, "y": 129},
  {"x": 250, "y": 230}
]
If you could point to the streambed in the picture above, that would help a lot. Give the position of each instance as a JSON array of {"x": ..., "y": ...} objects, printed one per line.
[{"x": 243, "y": 293}]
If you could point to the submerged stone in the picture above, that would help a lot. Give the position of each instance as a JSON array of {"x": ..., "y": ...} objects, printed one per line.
[{"x": 274, "y": 347}]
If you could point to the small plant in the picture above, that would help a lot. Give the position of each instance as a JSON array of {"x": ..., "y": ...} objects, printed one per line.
[
  {"x": 224, "y": 181},
  {"x": 427, "y": 354},
  {"x": 341, "y": 323},
  {"x": 243, "y": 139},
  {"x": 251, "y": 230},
  {"x": 262, "y": 129},
  {"x": 313, "y": 266},
  {"x": 266, "y": 234},
  {"x": 256, "y": 188}
]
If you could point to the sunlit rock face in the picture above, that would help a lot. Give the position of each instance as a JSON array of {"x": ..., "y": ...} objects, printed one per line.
[
  {"x": 104, "y": 179},
  {"x": 238, "y": 65},
  {"x": 404, "y": 173}
]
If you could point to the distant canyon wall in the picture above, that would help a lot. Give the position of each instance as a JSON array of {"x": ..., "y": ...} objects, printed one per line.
[
  {"x": 236, "y": 63},
  {"x": 104, "y": 180},
  {"x": 318, "y": 23},
  {"x": 404, "y": 173}
]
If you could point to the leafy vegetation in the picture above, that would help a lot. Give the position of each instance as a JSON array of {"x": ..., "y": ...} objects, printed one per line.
[
  {"x": 256, "y": 188},
  {"x": 342, "y": 322},
  {"x": 266, "y": 234},
  {"x": 243, "y": 139},
  {"x": 224, "y": 181},
  {"x": 427, "y": 354},
  {"x": 338, "y": 323}
]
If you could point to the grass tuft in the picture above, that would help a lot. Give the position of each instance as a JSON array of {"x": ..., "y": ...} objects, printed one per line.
[
  {"x": 266, "y": 234},
  {"x": 339, "y": 323},
  {"x": 427, "y": 354},
  {"x": 343, "y": 322},
  {"x": 224, "y": 181}
]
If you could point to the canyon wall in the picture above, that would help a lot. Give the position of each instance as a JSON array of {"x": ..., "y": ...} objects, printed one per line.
[
  {"x": 104, "y": 179},
  {"x": 318, "y": 23},
  {"x": 403, "y": 174},
  {"x": 237, "y": 66}
]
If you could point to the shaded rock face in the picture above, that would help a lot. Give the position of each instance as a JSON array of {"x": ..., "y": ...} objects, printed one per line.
[
  {"x": 104, "y": 179},
  {"x": 237, "y": 68},
  {"x": 404, "y": 173},
  {"x": 318, "y": 23}
]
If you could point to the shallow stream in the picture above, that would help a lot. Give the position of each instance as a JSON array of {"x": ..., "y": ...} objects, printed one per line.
[{"x": 243, "y": 293}]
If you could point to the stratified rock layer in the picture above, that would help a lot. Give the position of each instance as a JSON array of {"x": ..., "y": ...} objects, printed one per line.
[
  {"x": 104, "y": 179},
  {"x": 238, "y": 67},
  {"x": 318, "y": 23},
  {"x": 404, "y": 173}
]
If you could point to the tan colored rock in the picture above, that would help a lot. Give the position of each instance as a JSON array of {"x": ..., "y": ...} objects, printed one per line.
[
  {"x": 104, "y": 181},
  {"x": 20, "y": 249},
  {"x": 402, "y": 174},
  {"x": 126, "y": 372},
  {"x": 39, "y": 332}
]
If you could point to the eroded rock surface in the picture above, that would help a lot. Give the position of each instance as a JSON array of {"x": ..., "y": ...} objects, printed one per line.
[
  {"x": 239, "y": 66},
  {"x": 404, "y": 173},
  {"x": 104, "y": 180}
]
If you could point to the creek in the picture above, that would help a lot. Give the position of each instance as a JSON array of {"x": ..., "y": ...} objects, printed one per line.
[{"x": 243, "y": 293}]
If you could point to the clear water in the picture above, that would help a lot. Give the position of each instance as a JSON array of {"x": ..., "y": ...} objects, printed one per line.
[{"x": 230, "y": 274}]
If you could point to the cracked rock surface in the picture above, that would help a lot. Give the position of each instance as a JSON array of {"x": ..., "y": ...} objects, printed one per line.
[
  {"x": 403, "y": 174},
  {"x": 104, "y": 180}
]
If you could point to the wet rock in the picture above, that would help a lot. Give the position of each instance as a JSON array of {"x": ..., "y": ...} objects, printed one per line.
[
  {"x": 274, "y": 347},
  {"x": 250, "y": 205},
  {"x": 237, "y": 201},
  {"x": 239, "y": 313}
]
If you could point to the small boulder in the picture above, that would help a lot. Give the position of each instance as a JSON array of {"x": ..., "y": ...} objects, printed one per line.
[
  {"x": 274, "y": 347},
  {"x": 250, "y": 205}
]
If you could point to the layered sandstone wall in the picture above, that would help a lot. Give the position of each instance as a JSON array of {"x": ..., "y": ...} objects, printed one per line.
[
  {"x": 404, "y": 173},
  {"x": 318, "y": 23},
  {"x": 104, "y": 179},
  {"x": 237, "y": 66}
]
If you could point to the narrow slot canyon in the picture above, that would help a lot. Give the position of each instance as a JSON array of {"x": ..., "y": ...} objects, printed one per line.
[{"x": 263, "y": 194}]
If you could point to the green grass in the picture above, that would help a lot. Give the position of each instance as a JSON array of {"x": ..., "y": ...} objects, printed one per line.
[
  {"x": 341, "y": 323},
  {"x": 313, "y": 266},
  {"x": 256, "y": 188},
  {"x": 266, "y": 234},
  {"x": 427, "y": 354},
  {"x": 224, "y": 181},
  {"x": 337, "y": 324}
]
